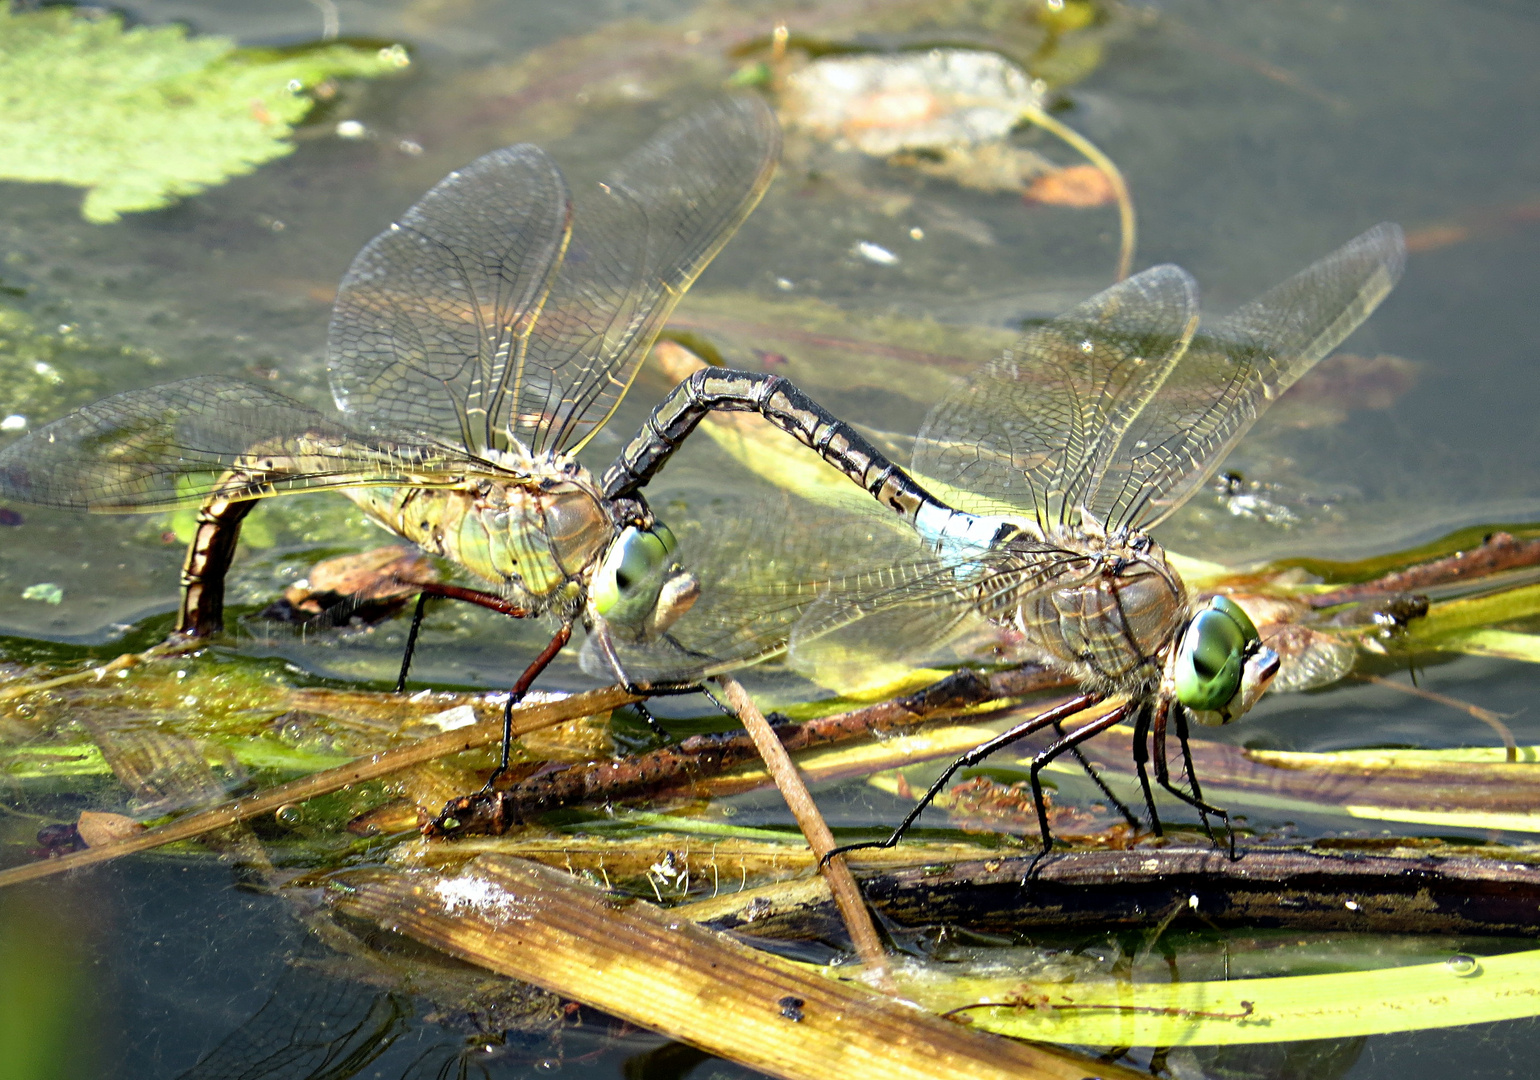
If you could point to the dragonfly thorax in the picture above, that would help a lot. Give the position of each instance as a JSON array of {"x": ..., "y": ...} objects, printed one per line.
[
  {"x": 1106, "y": 609},
  {"x": 539, "y": 538}
]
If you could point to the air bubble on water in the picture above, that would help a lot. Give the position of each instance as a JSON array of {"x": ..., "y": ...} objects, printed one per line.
[
  {"x": 288, "y": 814},
  {"x": 1463, "y": 965},
  {"x": 875, "y": 253}
]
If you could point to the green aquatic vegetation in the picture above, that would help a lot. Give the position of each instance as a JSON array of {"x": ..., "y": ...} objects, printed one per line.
[{"x": 141, "y": 117}]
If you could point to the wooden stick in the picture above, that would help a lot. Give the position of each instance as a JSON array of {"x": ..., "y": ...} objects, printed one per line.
[
  {"x": 1343, "y": 887},
  {"x": 526, "y": 718},
  {"x": 847, "y": 894},
  {"x": 651, "y": 967}
]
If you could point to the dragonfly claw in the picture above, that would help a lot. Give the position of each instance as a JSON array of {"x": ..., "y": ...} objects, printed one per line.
[{"x": 480, "y": 814}]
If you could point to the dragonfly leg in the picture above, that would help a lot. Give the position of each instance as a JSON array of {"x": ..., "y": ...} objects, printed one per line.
[
  {"x": 202, "y": 613},
  {"x": 452, "y": 592},
  {"x": 1141, "y": 760},
  {"x": 1050, "y": 718},
  {"x": 491, "y": 601},
  {"x": 652, "y": 722},
  {"x": 411, "y": 641},
  {"x": 1163, "y": 773},
  {"x": 1128, "y": 815},
  {"x": 1069, "y": 742},
  {"x": 537, "y": 665},
  {"x": 1192, "y": 779}
]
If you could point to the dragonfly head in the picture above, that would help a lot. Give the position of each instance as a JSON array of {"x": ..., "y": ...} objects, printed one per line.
[
  {"x": 1222, "y": 667},
  {"x": 639, "y": 587}
]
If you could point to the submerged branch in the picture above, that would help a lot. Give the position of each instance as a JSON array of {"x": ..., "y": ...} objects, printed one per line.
[
  {"x": 678, "y": 769},
  {"x": 1498, "y": 552},
  {"x": 1314, "y": 889}
]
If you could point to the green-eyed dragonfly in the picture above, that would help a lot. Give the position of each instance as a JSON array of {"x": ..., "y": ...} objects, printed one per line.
[
  {"x": 475, "y": 346},
  {"x": 1060, "y": 457}
]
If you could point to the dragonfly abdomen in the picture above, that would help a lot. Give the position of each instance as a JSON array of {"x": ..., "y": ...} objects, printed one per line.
[{"x": 780, "y": 402}]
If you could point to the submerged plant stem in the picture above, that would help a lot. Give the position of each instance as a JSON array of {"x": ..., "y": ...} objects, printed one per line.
[
  {"x": 526, "y": 718},
  {"x": 1126, "y": 220}
]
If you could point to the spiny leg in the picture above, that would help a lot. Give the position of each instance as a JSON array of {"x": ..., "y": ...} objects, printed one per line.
[
  {"x": 492, "y": 601},
  {"x": 1128, "y": 815},
  {"x": 1163, "y": 772},
  {"x": 1192, "y": 780},
  {"x": 411, "y": 641},
  {"x": 537, "y": 665},
  {"x": 503, "y": 606},
  {"x": 1069, "y": 742},
  {"x": 652, "y": 721},
  {"x": 1141, "y": 760},
  {"x": 973, "y": 757}
]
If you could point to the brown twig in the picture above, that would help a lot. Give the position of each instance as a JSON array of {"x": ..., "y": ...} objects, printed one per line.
[
  {"x": 847, "y": 895},
  {"x": 1500, "y": 551},
  {"x": 677, "y": 769},
  {"x": 1341, "y": 887}
]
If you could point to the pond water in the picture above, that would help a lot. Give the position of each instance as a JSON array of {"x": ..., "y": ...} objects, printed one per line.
[{"x": 1255, "y": 139}]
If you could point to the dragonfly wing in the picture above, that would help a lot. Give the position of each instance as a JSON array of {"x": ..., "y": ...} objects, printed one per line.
[
  {"x": 639, "y": 240},
  {"x": 433, "y": 317},
  {"x": 1034, "y": 427},
  {"x": 173, "y": 445},
  {"x": 869, "y": 630},
  {"x": 930, "y": 612},
  {"x": 1236, "y": 367},
  {"x": 758, "y": 567}
]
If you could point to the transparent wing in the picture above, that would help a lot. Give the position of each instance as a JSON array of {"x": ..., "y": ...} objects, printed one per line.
[
  {"x": 432, "y": 319},
  {"x": 173, "y": 445},
  {"x": 874, "y": 628},
  {"x": 1034, "y": 427},
  {"x": 639, "y": 241},
  {"x": 1234, "y": 368},
  {"x": 496, "y": 308},
  {"x": 929, "y": 611},
  {"x": 759, "y": 566}
]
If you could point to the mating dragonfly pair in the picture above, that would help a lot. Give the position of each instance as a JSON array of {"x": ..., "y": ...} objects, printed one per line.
[{"x": 480, "y": 342}]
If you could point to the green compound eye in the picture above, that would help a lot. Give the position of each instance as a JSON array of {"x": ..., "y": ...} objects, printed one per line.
[
  {"x": 1213, "y": 654},
  {"x": 1238, "y": 613},
  {"x": 631, "y": 568}
]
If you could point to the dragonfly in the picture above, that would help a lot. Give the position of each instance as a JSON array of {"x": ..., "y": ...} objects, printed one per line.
[
  {"x": 475, "y": 347},
  {"x": 1056, "y": 460}
]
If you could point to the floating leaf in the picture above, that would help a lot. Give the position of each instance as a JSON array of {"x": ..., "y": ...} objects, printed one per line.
[
  {"x": 45, "y": 591},
  {"x": 1461, "y": 990},
  {"x": 144, "y": 116}
]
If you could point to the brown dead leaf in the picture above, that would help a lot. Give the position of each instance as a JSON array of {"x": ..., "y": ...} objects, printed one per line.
[
  {"x": 97, "y": 828},
  {"x": 1343, "y": 383},
  {"x": 375, "y": 585},
  {"x": 1078, "y": 186}
]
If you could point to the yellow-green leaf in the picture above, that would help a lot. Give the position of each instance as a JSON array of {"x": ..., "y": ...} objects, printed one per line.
[{"x": 1462, "y": 990}]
